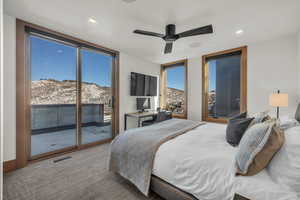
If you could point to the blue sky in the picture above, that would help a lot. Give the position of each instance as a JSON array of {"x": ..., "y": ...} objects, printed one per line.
[
  {"x": 212, "y": 75},
  {"x": 175, "y": 77},
  {"x": 51, "y": 60}
]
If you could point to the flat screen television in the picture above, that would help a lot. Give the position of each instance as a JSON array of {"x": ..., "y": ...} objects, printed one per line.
[{"x": 143, "y": 85}]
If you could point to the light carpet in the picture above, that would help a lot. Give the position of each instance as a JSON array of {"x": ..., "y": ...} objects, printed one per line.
[{"x": 84, "y": 176}]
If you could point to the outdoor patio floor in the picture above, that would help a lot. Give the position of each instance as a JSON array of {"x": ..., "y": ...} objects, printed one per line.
[{"x": 47, "y": 142}]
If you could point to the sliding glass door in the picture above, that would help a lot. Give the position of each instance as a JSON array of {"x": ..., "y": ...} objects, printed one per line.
[
  {"x": 71, "y": 96},
  {"x": 96, "y": 96},
  {"x": 53, "y": 95}
]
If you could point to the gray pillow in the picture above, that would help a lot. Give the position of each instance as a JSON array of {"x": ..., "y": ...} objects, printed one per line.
[
  {"x": 251, "y": 144},
  {"x": 297, "y": 115},
  {"x": 239, "y": 116},
  {"x": 235, "y": 130}
]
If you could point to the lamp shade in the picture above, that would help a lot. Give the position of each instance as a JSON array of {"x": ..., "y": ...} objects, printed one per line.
[{"x": 279, "y": 100}]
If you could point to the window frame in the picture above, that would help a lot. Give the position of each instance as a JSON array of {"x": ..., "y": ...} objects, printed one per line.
[
  {"x": 205, "y": 81},
  {"x": 163, "y": 83}
]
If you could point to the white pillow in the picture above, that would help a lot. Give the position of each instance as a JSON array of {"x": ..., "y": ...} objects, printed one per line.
[
  {"x": 287, "y": 122},
  {"x": 285, "y": 165}
]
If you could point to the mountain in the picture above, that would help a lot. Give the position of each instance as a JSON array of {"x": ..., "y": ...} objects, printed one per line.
[
  {"x": 174, "y": 96},
  {"x": 175, "y": 100},
  {"x": 52, "y": 91}
]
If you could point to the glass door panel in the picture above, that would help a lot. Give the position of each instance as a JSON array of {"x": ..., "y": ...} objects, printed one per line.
[
  {"x": 53, "y": 95},
  {"x": 96, "y": 96},
  {"x": 224, "y": 84},
  {"x": 175, "y": 90}
]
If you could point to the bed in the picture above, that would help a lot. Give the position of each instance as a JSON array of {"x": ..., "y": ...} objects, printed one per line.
[{"x": 199, "y": 165}]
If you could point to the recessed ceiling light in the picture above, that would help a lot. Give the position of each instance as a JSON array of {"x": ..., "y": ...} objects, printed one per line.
[
  {"x": 93, "y": 21},
  {"x": 59, "y": 51},
  {"x": 129, "y": 1},
  {"x": 239, "y": 32}
]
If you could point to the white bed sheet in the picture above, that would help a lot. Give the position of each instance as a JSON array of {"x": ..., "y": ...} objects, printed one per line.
[
  {"x": 189, "y": 163},
  {"x": 201, "y": 163}
]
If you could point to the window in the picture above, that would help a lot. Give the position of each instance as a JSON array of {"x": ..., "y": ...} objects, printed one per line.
[
  {"x": 174, "y": 88},
  {"x": 224, "y": 84}
]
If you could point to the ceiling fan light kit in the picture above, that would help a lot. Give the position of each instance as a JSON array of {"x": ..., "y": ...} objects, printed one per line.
[{"x": 171, "y": 36}]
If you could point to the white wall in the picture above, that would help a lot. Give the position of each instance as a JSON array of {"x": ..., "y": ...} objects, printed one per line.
[
  {"x": 130, "y": 64},
  {"x": 299, "y": 64},
  {"x": 1, "y": 99},
  {"x": 9, "y": 86},
  {"x": 127, "y": 103},
  {"x": 194, "y": 88},
  {"x": 272, "y": 65}
]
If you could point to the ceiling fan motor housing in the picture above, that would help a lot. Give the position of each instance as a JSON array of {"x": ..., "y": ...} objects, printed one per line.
[{"x": 170, "y": 33}]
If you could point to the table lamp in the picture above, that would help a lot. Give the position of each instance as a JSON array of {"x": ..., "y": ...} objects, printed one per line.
[{"x": 279, "y": 100}]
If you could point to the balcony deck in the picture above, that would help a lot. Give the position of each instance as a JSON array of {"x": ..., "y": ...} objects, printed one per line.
[
  {"x": 47, "y": 142},
  {"x": 54, "y": 126}
]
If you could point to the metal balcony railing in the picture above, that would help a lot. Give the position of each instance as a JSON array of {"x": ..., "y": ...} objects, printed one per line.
[{"x": 54, "y": 117}]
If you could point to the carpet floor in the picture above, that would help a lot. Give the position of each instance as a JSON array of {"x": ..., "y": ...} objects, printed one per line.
[{"x": 83, "y": 177}]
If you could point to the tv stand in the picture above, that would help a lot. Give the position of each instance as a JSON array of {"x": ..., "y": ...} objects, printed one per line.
[
  {"x": 139, "y": 116},
  {"x": 143, "y": 111}
]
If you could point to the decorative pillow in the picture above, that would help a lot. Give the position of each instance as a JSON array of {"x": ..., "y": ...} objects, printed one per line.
[
  {"x": 297, "y": 115},
  {"x": 260, "y": 117},
  {"x": 236, "y": 128},
  {"x": 239, "y": 116},
  {"x": 287, "y": 122},
  {"x": 285, "y": 165},
  {"x": 257, "y": 148}
]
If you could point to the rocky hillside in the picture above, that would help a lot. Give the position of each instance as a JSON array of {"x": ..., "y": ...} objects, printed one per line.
[
  {"x": 175, "y": 100},
  {"x": 174, "y": 96},
  {"x": 64, "y": 92}
]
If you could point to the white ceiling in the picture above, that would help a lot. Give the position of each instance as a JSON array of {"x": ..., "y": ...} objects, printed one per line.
[{"x": 260, "y": 20}]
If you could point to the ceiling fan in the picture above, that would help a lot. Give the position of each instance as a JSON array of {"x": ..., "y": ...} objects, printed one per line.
[{"x": 171, "y": 35}]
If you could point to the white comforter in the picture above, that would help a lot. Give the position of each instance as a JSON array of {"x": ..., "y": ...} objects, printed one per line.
[
  {"x": 262, "y": 187},
  {"x": 201, "y": 163}
]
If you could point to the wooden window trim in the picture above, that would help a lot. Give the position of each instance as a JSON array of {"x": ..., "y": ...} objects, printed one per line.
[
  {"x": 165, "y": 66},
  {"x": 23, "y": 124},
  {"x": 243, "y": 106}
]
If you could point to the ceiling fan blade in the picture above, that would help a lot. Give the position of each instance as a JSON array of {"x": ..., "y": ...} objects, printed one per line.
[
  {"x": 196, "y": 31},
  {"x": 148, "y": 33},
  {"x": 168, "y": 47}
]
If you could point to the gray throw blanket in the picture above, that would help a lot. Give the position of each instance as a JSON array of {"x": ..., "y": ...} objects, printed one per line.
[{"x": 132, "y": 153}]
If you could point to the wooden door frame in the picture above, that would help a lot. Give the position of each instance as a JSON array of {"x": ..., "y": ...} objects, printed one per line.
[
  {"x": 23, "y": 113},
  {"x": 243, "y": 87},
  {"x": 162, "y": 95}
]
